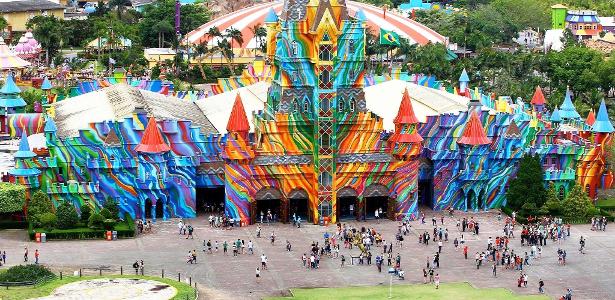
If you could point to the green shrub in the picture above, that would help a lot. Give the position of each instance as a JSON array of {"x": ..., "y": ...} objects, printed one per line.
[
  {"x": 21, "y": 273},
  {"x": 106, "y": 213},
  {"x": 67, "y": 216},
  {"x": 38, "y": 205},
  {"x": 86, "y": 212},
  {"x": 124, "y": 229},
  {"x": 12, "y": 197},
  {"x": 48, "y": 221},
  {"x": 113, "y": 207},
  {"x": 96, "y": 221},
  {"x": 109, "y": 224}
]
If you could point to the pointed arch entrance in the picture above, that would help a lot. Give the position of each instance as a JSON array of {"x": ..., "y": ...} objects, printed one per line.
[
  {"x": 376, "y": 197},
  {"x": 346, "y": 204},
  {"x": 470, "y": 195},
  {"x": 298, "y": 204},
  {"x": 269, "y": 201}
]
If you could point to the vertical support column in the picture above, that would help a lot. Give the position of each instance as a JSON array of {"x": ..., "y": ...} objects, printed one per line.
[{"x": 360, "y": 208}]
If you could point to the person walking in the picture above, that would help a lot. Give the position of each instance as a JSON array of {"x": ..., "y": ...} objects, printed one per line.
[
  {"x": 437, "y": 280},
  {"x": 344, "y": 261},
  {"x": 465, "y": 251},
  {"x": 190, "y": 230},
  {"x": 36, "y": 255},
  {"x": 495, "y": 270},
  {"x": 541, "y": 286},
  {"x": 25, "y": 254},
  {"x": 258, "y": 274},
  {"x": 424, "y": 276}
]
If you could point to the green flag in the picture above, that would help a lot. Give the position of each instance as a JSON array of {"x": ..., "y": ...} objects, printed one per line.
[{"x": 389, "y": 38}]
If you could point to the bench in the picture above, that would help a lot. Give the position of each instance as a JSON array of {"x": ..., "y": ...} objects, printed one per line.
[{"x": 17, "y": 283}]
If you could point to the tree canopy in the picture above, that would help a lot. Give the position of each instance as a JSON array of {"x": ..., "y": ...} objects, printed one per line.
[
  {"x": 528, "y": 185},
  {"x": 161, "y": 17},
  {"x": 12, "y": 197}
]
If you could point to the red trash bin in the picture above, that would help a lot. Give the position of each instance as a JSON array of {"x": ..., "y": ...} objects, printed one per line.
[
  {"x": 37, "y": 237},
  {"x": 108, "y": 235}
]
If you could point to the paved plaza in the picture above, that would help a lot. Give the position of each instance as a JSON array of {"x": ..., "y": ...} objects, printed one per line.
[{"x": 228, "y": 277}]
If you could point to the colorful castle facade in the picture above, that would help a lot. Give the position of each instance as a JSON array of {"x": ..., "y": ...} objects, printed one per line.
[{"x": 315, "y": 150}]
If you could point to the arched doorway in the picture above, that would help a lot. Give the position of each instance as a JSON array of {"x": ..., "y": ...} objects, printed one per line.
[
  {"x": 425, "y": 182},
  {"x": 210, "y": 199},
  {"x": 268, "y": 200},
  {"x": 469, "y": 199},
  {"x": 481, "y": 200},
  {"x": 148, "y": 208},
  {"x": 298, "y": 204},
  {"x": 159, "y": 209},
  {"x": 376, "y": 197},
  {"x": 346, "y": 206}
]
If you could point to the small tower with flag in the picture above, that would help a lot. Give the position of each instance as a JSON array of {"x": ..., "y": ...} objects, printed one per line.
[
  {"x": 567, "y": 111},
  {"x": 49, "y": 98},
  {"x": 237, "y": 146},
  {"x": 405, "y": 142},
  {"x": 474, "y": 147},
  {"x": 602, "y": 127},
  {"x": 10, "y": 102}
]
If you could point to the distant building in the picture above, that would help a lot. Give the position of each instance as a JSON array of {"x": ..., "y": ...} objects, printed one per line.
[
  {"x": 608, "y": 24},
  {"x": 558, "y": 16},
  {"x": 18, "y": 13},
  {"x": 156, "y": 55},
  {"x": 584, "y": 24},
  {"x": 529, "y": 38}
]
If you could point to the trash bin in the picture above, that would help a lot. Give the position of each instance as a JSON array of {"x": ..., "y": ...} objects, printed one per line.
[
  {"x": 43, "y": 237},
  {"x": 114, "y": 235},
  {"x": 37, "y": 237},
  {"x": 108, "y": 235}
]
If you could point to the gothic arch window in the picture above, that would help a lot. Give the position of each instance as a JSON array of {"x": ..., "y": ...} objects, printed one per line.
[
  {"x": 306, "y": 105},
  {"x": 562, "y": 192},
  {"x": 350, "y": 46},
  {"x": 325, "y": 37},
  {"x": 352, "y": 104},
  {"x": 324, "y": 52},
  {"x": 325, "y": 77},
  {"x": 325, "y": 179},
  {"x": 351, "y": 75},
  {"x": 294, "y": 48},
  {"x": 293, "y": 76},
  {"x": 340, "y": 105},
  {"x": 325, "y": 105},
  {"x": 295, "y": 105}
]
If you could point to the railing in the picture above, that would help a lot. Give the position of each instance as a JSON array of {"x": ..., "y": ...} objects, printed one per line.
[{"x": 74, "y": 188}]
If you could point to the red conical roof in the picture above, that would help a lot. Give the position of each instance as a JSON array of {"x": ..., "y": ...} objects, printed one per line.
[
  {"x": 591, "y": 118},
  {"x": 152, "y": 141},
  {"x": 238, "y": 121},
  {"x": 539, "y": 97},
  {"x": 406, "y": 113},
  {"x": 474, "y": 134}
]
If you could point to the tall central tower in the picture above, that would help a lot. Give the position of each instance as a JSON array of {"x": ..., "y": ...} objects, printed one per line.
[{"x": 317, "y": 53}]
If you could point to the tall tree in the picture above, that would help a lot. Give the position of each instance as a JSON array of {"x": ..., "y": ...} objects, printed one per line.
[
  {"x": 48, "y": 30},
  {"x": 528, "y": 185},
  {"x": 192, "y": 16}
]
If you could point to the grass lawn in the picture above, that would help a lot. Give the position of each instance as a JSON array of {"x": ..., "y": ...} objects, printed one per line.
[
  {"x": 184, "y": 291},
  {"x": 457, "y": 291}
]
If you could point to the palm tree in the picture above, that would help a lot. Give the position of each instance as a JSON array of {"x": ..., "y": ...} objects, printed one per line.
[
  {"x": 236, "y": 36},
  {"x": 202, "y": 52},
  {"x": 212, "y": 33},
  {"x": 256, "y": 29},
  {"x": 119, "y": 6},
  {"x": 226, "y": 51}
]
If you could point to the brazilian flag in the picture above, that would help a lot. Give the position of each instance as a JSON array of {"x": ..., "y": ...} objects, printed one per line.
[{"x": 389, "y": 38}]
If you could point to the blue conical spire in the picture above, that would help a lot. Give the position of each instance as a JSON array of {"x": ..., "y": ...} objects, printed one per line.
[
  {"x": 464, "y": 76},
  {"x": 567, "y": 109},
  {"x": 360, "y": 15},
  {"x": 50, "y": 125},
  {"x": 555, "y": 116},
  {"x": 24, "y": 147},
  {"x": 602, "y": 124},
  {"x": 46, "y": 84},
  {"x": 271, "y": 17},
  {"x": 9, "y": 86}
]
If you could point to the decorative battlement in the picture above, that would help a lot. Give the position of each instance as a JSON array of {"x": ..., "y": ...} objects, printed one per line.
[
  {"x": 73, "y": 188},
  {"x": 553, "y": 174}
]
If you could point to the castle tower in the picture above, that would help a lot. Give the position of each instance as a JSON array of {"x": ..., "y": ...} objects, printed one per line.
[
  {"x": 25, "y": 172},
  {"x": 567, "y": 111},
  {"x": 152, "y": 169},
  {"x": 464, "y": 82},
  {"x": 237, "y": 148},
  {"x": 555, "y": 118},
  {"x": 602, "y": 127},
  {"x": 591, "y": 118},
  {"x": 538, "y": 100},
  {"x": 474, "y": 146},
  {"x": 272, "y": 26},
  {"x": 10, "y": 102},
  {"x": 405, "y": 141},
  {"x": 46, "y": 87}
]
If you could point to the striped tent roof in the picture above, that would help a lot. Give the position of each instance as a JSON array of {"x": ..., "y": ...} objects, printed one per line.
[{"x": 246, "y": 18}]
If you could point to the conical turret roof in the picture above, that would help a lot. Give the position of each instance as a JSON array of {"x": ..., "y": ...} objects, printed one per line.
[
  {"x": 271, "y": 16},
  {"x": 474, "y": 134},
  {"x": 152, "y": 141},
  {"x": 512, "y": 132},
  {"x": 591, "y": 118},
  {"x": 238, "y": 120},
  {"x": 603, "y": 124},
  {"x": 539, "y": 97},
  {"x": 405, "y": 115},
  {"x": 567, "y": 109},
  {"x": 464, "y": 76},
  {"x": 24, "y": 147},
  {"x": 555, "y": 116},
  {"x": 46, "y": 84},
  {"x": 9, "y": 86}
]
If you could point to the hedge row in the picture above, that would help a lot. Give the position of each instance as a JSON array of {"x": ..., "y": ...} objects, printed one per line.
[{"x": 125, "y": 229}]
